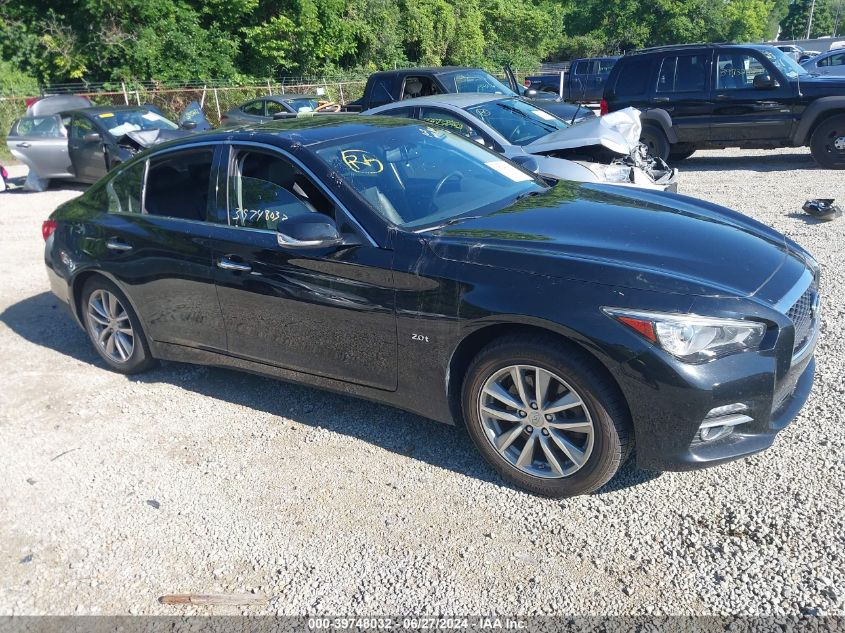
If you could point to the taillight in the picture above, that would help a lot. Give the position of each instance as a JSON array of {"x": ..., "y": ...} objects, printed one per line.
[
  {"x": 603, "y": 107},
  {"x": 47, "y": 229},
  {"x": 526, "y": 83}
]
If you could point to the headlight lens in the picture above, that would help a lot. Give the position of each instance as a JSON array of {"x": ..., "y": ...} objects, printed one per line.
[
  {"x": 612, "y": 173},
  {"x": 690, "y": 337}
]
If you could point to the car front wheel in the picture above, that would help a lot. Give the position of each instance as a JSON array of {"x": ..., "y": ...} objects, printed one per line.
[
  {"x": 114, "y": 328},
  {"x": 827, "y": 144},
  {"x": 656, "y": 141},
  {"x": 545, "y": 416}
]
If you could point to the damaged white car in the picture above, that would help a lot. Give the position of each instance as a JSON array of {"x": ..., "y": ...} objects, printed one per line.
[{"x": 603, "y": 149}]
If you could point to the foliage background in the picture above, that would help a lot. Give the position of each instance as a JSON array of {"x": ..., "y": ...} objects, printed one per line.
[
  {"x": 44, "y": 41},
  {"x": 244, "y": 42}
]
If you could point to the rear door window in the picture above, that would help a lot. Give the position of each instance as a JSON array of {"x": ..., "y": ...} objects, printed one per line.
[
  {"x": 584, "y": 67},
  {"x": 255, "y": 108},
  {"x": 38, "y": 127},
  {"x": 683, "y": 73},
  {"x": 178, "y": 184}
]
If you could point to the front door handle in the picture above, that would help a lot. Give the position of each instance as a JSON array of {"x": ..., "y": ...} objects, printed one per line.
[
  {"x": 115, "y": 244},
  {"x": 723, "y": 97},
  {"x": 227, "y": 264},
  {"x": 23, "y": 145}
]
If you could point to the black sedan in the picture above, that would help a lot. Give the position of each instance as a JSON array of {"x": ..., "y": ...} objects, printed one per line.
[{"x": 562, "y": 324}]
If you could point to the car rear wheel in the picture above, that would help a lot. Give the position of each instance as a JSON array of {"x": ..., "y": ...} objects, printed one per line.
[
  {"x": 545, "y": 417},
  {"x": 680, "y": 152},
  {"x": 656, "y": 141},
  {"x": 827, "y": 144},
  {"x": 114, "y": 328}
]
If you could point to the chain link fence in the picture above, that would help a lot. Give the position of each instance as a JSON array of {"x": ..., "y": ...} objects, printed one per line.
[{"x": 215, "y": 97}]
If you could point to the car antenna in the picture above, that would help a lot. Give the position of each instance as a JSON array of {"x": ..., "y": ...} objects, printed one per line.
[{"x": 575, "y": 114}]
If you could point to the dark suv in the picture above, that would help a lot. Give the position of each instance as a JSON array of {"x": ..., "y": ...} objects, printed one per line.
[{"x": 729, "y": 95}]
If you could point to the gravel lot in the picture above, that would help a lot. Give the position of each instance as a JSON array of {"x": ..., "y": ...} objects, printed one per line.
[{"x": 189, "y": 479}]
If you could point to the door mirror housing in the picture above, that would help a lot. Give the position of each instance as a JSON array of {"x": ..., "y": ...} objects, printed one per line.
[
  {"x": 92, "y": 137},
  {"x": 764, "y": 81},
  {"x": 189, "y": 125},
  {"x": 530, "y": 93},
  {"x": 308, "y": 230}
]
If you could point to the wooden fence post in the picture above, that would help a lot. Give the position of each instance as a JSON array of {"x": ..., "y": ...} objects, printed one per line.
[
  {"x": 340, "y": 90},
  {"x": 269, "y": 87},
  {"x": 137, "y": 98},
  {"x": 202, "y": 98},
  {"x": 125, "y": 94}
]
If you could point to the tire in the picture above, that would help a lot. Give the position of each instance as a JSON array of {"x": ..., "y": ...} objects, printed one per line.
[
  {"x": 598, "y": 439},
  {"x": 656, "y": 141},
  {"x": 827, "y": 145},
  {"x": 679, "y": 152},
  {"x": 104, "y": 307}
]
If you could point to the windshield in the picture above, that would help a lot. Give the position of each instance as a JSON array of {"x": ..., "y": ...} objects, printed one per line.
[
  {"x": 519, "y": 122},
  {"x": 474, "y": 81},
  {"x": 417, "y": 176},
  {"x": 122, "y": 122},
  {"x": 303, "y": 105},
  {"x": 784, "y": 62}
]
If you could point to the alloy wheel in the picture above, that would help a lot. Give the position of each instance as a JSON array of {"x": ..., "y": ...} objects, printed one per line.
[
  {"x": 536, "y": 421},
  {"x": 110, "y": 326}
]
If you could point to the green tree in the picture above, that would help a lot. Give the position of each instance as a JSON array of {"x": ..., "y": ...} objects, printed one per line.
[{"x": 794, "y": 25}]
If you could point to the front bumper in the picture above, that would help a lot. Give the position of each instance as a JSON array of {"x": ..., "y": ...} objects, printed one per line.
[{"x": 773, "y": 403}]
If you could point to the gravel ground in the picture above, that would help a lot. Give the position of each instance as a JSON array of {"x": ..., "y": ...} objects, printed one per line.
[{"x": 189, "y": 479}]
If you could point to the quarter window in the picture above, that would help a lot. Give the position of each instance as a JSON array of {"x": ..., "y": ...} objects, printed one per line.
[
  {"x": 124, "y": 190},
  {"x": 38, "y": 127},
  {"x": 178, "y": 184},
  {"x": 265, "y": 189},
  {"x": 737, "y": 71},
  {"x": 634, "y": 79}
]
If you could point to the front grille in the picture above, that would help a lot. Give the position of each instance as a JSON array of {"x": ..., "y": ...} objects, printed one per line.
[{"x": 801, "y": 314}]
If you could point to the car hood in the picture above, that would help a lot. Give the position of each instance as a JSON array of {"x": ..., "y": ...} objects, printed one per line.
[
  {"x": 824, "y": 85},
  {"x": 637, "y": 239},
  {"x": 147, "y": 138},
  {"x": 618, "y": 131}
]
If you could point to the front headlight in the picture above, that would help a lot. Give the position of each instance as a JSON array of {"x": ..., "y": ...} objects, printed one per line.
[
  {"x": 612, "y": 173},
  {"x": 690, "y": 337}
]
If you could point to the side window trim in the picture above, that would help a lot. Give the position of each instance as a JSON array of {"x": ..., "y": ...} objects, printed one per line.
[{"x": 229, "y": 150}]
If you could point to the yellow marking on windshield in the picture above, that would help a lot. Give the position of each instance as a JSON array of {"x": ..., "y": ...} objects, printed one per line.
[{"x": 361, "y": 161}]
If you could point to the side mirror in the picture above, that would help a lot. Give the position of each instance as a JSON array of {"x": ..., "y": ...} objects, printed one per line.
[
  {"x": 763, "y": 82},
  {"x": 189, "y": 125},
  {"x": 528, "y": 163},
  {"x": 92, "y": 137},
  {"x": 530, "y": 92},
  {"x": 308, "y": 230}
]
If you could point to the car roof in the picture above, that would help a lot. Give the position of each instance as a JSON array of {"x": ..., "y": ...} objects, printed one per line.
[
  {"x": 302, "y": 130},
  {"x": 101, "y": 109},
  {"x": 432, "y": 70},
  {"x": 457, "y": 99},
  {"x": 685, "y": 47}
]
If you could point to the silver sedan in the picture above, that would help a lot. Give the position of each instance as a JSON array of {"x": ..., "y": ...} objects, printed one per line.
[
  {"x": 602, "y": 149},
  {"x": 829, "y": 63}
]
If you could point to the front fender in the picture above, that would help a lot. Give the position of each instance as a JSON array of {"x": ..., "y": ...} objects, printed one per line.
[{"x": 816, "y": 110}]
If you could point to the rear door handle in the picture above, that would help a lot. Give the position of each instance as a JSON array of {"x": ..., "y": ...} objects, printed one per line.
[
  {"x": 227, "y": 264},
  {"x": 115, "y": 244},
  {"x": 23, "y": 145}
]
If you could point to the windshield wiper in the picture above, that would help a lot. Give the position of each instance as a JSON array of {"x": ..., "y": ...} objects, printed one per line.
[{"x": 455, "y": 220}]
